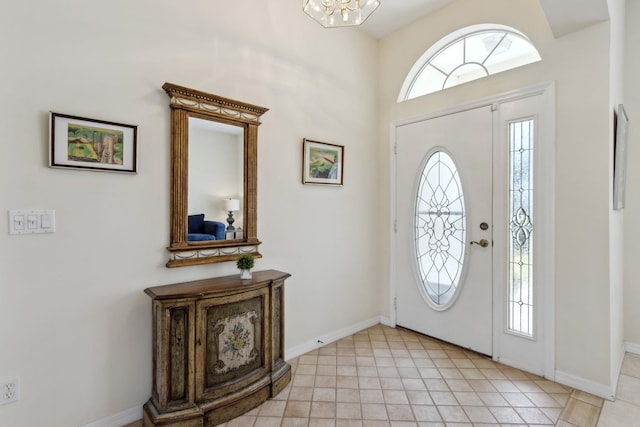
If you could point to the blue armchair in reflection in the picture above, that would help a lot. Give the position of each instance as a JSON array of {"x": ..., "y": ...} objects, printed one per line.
[{"x": 200, "y": 230}]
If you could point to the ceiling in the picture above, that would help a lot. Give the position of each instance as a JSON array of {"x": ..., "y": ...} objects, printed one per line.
[
  {"x": 392, "y": 15},
  {"x": 564, "y": 16}
]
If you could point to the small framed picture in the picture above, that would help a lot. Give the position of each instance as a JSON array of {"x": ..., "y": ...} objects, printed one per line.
[
  {"x": 81, "y": 143},
  {"x": 621, "y": 123},
  {"x": 322, "y": 163}
]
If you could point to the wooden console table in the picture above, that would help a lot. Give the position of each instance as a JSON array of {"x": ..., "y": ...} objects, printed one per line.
[{"x": 218, "y": 348}]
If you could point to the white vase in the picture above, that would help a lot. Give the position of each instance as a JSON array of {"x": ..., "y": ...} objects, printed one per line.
[{"x": 245, "y": 274}]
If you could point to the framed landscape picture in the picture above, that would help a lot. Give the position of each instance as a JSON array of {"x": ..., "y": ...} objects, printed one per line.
[
  {"x": 82, "y": 143},
  {"x": 322, "y": 163}
]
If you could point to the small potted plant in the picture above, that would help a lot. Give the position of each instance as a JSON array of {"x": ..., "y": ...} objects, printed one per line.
[{"x": 245, "y": 264}]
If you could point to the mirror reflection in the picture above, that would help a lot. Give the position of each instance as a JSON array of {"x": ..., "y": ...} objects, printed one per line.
[{"x": 216, "y": 181}]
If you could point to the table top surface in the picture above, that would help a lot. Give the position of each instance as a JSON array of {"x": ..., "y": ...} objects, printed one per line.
[{"x": 215, "y": 285}]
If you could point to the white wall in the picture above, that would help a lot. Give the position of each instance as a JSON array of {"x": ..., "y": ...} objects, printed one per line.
[
  {"x": 632, "y": 209},
  {"x": 616, "y": 219},
  {"x": 579, "y": 63},
  {"x": 75, "y": 324}
]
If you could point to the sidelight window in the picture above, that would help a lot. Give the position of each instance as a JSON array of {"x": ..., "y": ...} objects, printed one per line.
[{"x": 521, "y": 291}]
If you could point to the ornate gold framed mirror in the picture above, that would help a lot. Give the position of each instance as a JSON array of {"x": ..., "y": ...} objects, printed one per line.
[{"x": 214, "y": 143}]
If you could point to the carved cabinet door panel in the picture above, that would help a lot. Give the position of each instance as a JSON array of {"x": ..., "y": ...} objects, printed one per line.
[
  {"x": 173, "y": 354},
  {"x": 231, "y": 350}
]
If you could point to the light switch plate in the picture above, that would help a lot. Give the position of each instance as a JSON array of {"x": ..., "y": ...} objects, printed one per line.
[{"x": 32, "y": 221}]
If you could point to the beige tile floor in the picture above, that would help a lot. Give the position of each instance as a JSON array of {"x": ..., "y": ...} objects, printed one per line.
[
  {"x": 625, "y": 410},
  {"x": 396, "y": 378}
]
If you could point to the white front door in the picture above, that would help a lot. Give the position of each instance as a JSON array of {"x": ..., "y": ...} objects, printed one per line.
[
  {"x": 484, "y": 172},
  {"x": 444, "y": 246}
]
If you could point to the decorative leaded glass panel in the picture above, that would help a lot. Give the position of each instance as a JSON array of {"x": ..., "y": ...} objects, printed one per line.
[
  {"x": 521, "y": 227},
  {"x": 440, "y": 228}
]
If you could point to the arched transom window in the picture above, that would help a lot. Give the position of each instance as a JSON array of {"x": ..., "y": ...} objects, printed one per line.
[{"x": 465, "y": 55}]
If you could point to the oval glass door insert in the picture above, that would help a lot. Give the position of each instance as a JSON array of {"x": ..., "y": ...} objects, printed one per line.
[{"x": 440, "y": 231}]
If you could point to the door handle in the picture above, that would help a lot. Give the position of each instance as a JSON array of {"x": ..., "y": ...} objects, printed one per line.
[{"x": 484, "y": 243}]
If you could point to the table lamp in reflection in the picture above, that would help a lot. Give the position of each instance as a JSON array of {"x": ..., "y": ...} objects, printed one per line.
[{"x": 231, "y": 205}]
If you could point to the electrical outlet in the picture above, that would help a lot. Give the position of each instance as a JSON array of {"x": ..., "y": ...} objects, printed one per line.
[{"x": 10, "y": 391}]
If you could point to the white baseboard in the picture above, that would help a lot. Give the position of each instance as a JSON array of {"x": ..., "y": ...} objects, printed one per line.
[
  {"x": 134, "y": 414},
  {"x": 601, "y": 390},
  {"x": 386, "y": 321},
  {"x": 299, "y": 350},
  {"x": 120, "y": 419},
  {"x": 632, "y": 347}
]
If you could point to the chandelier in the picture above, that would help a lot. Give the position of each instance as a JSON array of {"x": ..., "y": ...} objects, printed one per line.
[{"x": 340, "y": 13}]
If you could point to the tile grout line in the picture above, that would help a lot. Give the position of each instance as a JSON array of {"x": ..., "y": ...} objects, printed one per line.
[
  {"x": 459, "y": 403},
  {"x": 359, "y": 356}
]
